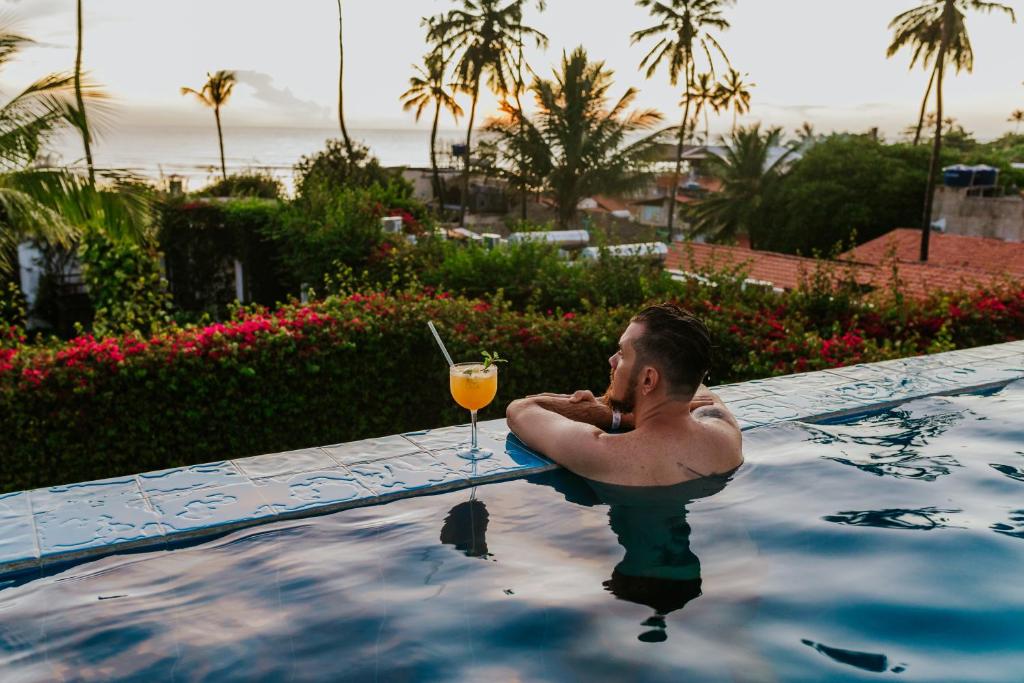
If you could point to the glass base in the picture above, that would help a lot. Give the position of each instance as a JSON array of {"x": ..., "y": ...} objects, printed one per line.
[{"x": 470, "y": 453}]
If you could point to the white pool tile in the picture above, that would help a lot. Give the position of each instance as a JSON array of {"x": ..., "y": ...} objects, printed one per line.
[
  {"x": 405, "y": 474},
  {"x": 324, "y": 489},
  {"x": 369, "y": 450},
  {"x": 218, "y": 507},
  {"x": 188, "y": 478},
  {"x": 289, "y": 462},
  {"x": 78, "y": 527}
]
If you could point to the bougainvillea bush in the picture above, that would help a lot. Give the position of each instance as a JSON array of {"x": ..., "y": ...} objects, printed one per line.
[{"x": 364, "y": 364}]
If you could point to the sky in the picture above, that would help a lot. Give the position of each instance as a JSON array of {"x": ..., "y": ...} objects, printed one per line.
[{"x": 821, "y": 61}]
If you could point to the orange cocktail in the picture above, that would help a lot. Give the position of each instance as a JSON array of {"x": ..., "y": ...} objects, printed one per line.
[{"x": 473, "y": 387}]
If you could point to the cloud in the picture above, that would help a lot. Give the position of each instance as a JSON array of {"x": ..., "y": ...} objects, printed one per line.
[{"x": 280, "y": 98}]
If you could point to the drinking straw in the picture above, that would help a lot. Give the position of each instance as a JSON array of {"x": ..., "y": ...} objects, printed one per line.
[{"x": 440, "y": 343}]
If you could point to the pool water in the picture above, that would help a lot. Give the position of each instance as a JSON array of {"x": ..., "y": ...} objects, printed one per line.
[{"x": 888, "y": 547}]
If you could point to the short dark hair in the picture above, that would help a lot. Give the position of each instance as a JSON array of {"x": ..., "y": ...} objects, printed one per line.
[{"x": 678, "y": 343}]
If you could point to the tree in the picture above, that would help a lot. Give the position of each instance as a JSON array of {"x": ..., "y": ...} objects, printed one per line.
[
  {"x": 30, "y": 198},
  {"x": 844, "y": 184},
  {"x": 215, "y": 94},
  {"x": 1016, "y": 118},
  {"x": 683, "y": 30},
  {"x": 582, "y": 143},
  {"x": 341, "y": 82},
  {"x": 83, "y": 120},
  {"x": 937, "y": 29},
  {"x": 806, "y": 136},
  {"x": 480, "y": 36},
  {"x": 705, "y": 96},
  {"x": 749, "y": 175},
  {"x": 428, "y": 87},
  {"x": 734, "y": 94}
]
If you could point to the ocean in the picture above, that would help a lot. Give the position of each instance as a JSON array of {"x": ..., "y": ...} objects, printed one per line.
[{"x": 156, "y": 152}]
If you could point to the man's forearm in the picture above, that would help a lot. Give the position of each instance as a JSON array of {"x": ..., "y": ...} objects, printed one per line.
[{"x": 589, "y": 412}]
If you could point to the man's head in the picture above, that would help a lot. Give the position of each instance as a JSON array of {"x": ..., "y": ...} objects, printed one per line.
[{"x": 664, "y": 346}]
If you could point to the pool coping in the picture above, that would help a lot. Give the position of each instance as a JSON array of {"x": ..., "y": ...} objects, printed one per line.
[{"x": 49, "y": 527}]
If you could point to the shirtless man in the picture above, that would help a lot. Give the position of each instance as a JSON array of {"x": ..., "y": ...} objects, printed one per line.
[{"x": 680, "y": 430}]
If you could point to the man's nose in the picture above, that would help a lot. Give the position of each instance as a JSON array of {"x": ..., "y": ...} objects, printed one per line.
[{"x": 613, "y": 360}]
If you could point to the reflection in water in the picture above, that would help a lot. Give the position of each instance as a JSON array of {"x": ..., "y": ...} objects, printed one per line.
[
  {"x": 659, "y": 569},
  {"x": 869, "y": 661},
  {"x": 1014, "y": 528},
  {"x": 896, "y": 518},
  {"x": 1012, "y": 472},
  {"x": 465, "y": 527},
  {"x": 897, "y": 450}
]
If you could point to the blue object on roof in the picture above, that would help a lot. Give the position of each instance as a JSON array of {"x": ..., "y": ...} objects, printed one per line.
[{"x": 970, "y": 176}]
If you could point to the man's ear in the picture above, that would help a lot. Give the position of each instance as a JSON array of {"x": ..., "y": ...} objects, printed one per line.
[{"x": 651, "y": 377}]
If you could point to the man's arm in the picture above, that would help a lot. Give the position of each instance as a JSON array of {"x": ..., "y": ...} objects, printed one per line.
[{"x": 576, "y": 445}]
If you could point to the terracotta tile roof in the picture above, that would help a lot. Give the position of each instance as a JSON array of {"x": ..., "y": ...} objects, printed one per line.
[
  {"x": 956, "y": 251},
  {"x": 610, "y": 203},
  {"x": 784, "y": 270}
]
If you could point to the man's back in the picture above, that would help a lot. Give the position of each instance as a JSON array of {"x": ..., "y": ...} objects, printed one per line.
[{"x": 706, "y": 443}]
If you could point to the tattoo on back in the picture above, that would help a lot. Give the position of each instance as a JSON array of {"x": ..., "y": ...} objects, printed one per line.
[{"x": 712, "y": 412}]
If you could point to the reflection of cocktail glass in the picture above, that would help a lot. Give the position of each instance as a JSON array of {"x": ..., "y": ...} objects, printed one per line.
[{"x": 473, "y": 388}]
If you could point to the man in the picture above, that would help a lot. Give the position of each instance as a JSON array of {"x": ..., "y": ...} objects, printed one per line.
[{"x": 680, "y": 430}]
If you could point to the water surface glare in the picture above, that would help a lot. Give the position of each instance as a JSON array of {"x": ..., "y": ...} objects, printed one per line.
[{"x": 886, "y": 548}]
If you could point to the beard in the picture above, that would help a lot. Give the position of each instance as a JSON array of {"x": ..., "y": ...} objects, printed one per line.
[{"x": 626, "y": 403}]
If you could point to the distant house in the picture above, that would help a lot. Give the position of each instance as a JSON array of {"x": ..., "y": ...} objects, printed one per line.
[{"x": 784, "y": 272}]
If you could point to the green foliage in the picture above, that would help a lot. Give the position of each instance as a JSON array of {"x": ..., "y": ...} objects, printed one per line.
[
  {"x": 845, "y": 185},
  {"x": 259, "y": 184},
  {"x": 125, "y": 286},
  {"x": 748, "y": 181},
  {"x": 12, "y": 311},
  {"x": 318, "y": 177}
]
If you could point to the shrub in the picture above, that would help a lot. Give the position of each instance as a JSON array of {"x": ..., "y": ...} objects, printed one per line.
[
  {"x": 252, "y": 184},
  {"x": 125, "y": 286},
  {"x": 319, "y": 176}
]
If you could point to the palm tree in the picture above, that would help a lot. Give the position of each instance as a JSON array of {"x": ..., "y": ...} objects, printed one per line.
[
  {"x": 425, "y": 88},
  {"x": 215, "y": 94},
  {"x": 341, "y": 82},
  {"x": 705, "y": 96},
  {"x": 51, "y": 205},
  {"x": 748, "y": 175},
  {"x": 481, "y": 36},
  {"x": 937, "y": 30},
  {"x": 806, "y": 136},
  {"x": 83, "y": 122},
  {"x": 1016, "y": 118},
  {"x": 682, "y": 32},
  {"x": 735, "y": 94},
  {"x": 580, "y": 144}
]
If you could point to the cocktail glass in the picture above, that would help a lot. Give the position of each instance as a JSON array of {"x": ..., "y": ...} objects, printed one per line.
[{"x": 473, "y": 388}]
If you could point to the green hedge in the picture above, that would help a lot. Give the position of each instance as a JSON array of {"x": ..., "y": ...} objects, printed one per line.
[{"x": 365, "y": 365}]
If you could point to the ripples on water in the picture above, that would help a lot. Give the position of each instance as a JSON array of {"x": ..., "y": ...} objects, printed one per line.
[{"x": 809, "y": 565}]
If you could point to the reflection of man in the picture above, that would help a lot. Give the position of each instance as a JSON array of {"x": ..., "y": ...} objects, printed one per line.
[
  {"x": 465, "y": 527},
  {"x": 681, "y": 431},
  {"x": 659, "y": 569}
]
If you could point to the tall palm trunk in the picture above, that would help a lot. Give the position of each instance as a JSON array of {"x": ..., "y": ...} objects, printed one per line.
[
  {"x": 433, "y": 155},
  {"x": 924, "y": 106},
  {"x": 341, "y": 82},
  {"x": 83, "y": 121},
  {"x": 679, "y": 152},
  {"x": 522, "y": 157},
  {"x": 469, "y": 141},
  {"x": 220, "y": 141},
  {"x": 933, "y": 165}
]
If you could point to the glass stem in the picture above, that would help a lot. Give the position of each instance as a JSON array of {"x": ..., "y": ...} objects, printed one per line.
[{"x": 473, "y": 413}]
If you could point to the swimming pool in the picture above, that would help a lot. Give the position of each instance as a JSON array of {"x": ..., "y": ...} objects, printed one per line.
[{"x": 887, "y": 545}]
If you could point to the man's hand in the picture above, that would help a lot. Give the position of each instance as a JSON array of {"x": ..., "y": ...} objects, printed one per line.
[{"x": 581, "y": 406}]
